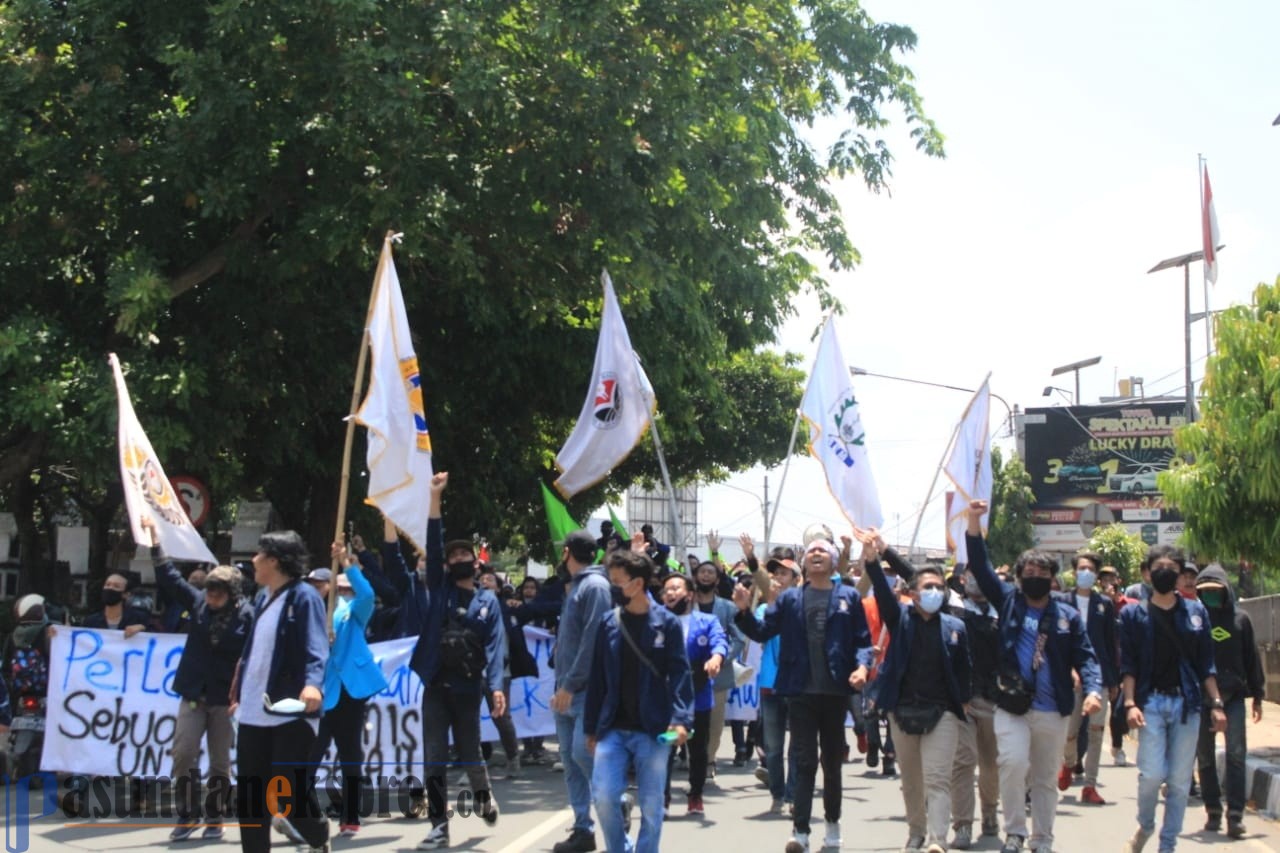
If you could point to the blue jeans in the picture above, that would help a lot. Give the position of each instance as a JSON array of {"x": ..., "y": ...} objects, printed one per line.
[
  {"x": 773, "y": 724},
  {"x": 578, "y": 763},
  {"x": 615, "y": 750},
  {"x": 1210, "y": 790},
  {"x": 1166, "y": 754}
]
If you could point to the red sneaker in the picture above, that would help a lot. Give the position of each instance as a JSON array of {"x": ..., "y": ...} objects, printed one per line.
[
  {"x": 862, "y": 743},
  {"x": 695, "y": 806},
  {"x": 1091, "y": 796},
  {"x": 1064, "y": 777}
]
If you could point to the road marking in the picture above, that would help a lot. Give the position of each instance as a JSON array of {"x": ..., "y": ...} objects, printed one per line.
[{"x": 526, "y": 841}]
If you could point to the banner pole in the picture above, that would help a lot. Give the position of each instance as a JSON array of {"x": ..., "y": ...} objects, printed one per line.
[
  {"x": 777, "y": 499},
  {"x": 929, "y": 495},
  {"x": 357, "y": 389}
]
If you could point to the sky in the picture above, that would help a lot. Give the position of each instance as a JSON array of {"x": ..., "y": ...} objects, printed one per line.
[{"x": 1072, "y": 135}]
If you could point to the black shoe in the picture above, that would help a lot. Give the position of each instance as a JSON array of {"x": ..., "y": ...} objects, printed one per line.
[
  {"x": 1214, "y": 823},
  {"x": 1194, "y": 793},
  {"x": 1235, "y": 829},
  {"x": 873, "y": 756},
  {"x": 889, "y": 769},
  {"x": 183, "y": 831},
  {"x": 579, "y": 841}
]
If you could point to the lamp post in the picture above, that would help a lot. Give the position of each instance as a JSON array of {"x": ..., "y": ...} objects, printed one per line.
[
  {"x": 1074, "y": 367},
  {"x": 764, "y": 507},
  {"x": 1185, "y": 261},
  {"x": 858, "y": 371},
  {"x": 1049, "y": 389}
]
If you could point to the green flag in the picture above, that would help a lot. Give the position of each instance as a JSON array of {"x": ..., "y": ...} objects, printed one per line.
[
  {"x": 617, "y": 526},
  {"x": 559, "y": 522}
]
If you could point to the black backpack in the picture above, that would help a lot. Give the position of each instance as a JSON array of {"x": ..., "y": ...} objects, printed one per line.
[{"x": 462, "y": 655}]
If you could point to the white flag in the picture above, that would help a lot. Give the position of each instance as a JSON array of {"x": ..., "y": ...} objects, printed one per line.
[
  {"x": 147, "y": 491},
  {"x": 399, "y": 446},
  {"x": 616, "y": 411},
  {"x": 836, "y": 437},
  {"x": 969, "y": 466}
]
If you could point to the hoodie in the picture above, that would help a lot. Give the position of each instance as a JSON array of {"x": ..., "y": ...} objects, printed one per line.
[{"x": 1235, "y": 651}]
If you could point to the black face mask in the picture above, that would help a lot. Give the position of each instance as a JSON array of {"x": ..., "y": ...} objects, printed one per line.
[
  {"x": 620, "y": 598},
  {"x": 1164, "y": 579},
  {"x": 1036, "y": 588},
  {"x": 112, "y": 597},
  {"x": 460, "y": 571},
  {"x": 681, "y": 607}
]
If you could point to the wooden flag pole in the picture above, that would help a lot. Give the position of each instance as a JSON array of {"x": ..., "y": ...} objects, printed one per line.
[{"x": 357, "y": 389}]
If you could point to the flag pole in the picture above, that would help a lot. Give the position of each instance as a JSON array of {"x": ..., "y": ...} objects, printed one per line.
[
  {"x": 929, "y": 495},
  {"x": 777, "y": 499},
  {"x": 676, "y": 521},
  {"x": 357, "y": 389},
  {"x": 1204, "y": 268}
]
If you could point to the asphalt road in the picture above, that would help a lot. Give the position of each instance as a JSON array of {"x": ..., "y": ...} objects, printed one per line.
[{"x": 534, "y": 817}]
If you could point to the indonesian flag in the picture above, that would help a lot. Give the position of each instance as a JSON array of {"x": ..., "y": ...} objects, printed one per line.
[{"x": 1209, "y": 232}]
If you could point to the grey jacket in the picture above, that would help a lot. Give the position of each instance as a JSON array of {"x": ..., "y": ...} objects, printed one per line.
[{"x": 584, "y": 609}]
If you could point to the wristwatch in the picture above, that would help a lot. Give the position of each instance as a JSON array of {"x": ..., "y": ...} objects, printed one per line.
[{"x": 1216, "y": 705}]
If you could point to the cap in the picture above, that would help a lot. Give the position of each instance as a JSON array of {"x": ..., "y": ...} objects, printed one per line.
[
  {"x": 774, "y": 565},
  {"x": 1107, "y": 570},
  {"x": 344, "y": 582},
  {"x": 460, "y": 545},
  {"x": 816, "y": 531},
  {"x": 320, "y": 575}
]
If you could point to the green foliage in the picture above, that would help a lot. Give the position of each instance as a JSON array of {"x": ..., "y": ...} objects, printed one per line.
[
  {"x": 1011, "y": 531},
  {"x": 1229, "y": 489},
  {"x": 203, "y": 188},
  {"x": 1120, "y": 548}
]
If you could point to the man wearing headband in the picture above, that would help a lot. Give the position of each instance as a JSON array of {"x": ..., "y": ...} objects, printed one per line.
[{"x": 823, "y": 630}]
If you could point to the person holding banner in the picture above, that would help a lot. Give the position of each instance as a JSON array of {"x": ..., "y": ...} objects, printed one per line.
[
  {"x": 116, "y": 613},
  {"x": 277, "y": 689},
  {"x": 350, "y": 678},
  {"x": 219, "y": 625}
]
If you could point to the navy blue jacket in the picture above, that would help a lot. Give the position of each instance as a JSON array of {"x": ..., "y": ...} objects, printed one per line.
[
  {"x": 897, "y": 617},
  {"x": 434, "y": 603},
  {"x": 1068, "y": 645},
  {"x": 301, "y": 647},
  {"x": 205, "y": 670},
  {"x": 666, "y": 698},
  {"x": 1101, "y": 625},
  {"x": 408, "y": 588},
  {"x": 1138, "y": 637},
  {"x": 848, "y": 640}
]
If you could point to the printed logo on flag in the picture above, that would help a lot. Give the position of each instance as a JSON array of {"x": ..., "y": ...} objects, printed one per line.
[
  {"x": 155, "y": 489},
  {"x": 608, "y": 402},
  {"x": 848, "y": 427},
  {"x": 413, "y": 387}
]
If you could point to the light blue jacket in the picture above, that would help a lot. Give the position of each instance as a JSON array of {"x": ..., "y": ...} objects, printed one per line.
[{"x": 351, "y": 664}]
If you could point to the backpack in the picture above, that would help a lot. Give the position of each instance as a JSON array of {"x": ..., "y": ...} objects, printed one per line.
[
  {"x": 29, "y": 672},
  {"x": 462, "y": 655}
]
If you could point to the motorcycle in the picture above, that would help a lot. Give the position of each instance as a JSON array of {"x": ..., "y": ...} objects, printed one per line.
[{"x": 26, "y": 736}]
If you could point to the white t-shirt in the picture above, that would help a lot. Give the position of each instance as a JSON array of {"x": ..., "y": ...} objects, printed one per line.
[
  {"x": 257, "y": 670},
  {"x": 1082, "y": 604},
  {"x": 685, "y": 621}
]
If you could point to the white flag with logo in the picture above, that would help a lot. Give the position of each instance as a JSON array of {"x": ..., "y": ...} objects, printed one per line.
[
  {"x": 836, "y": 436},
  {"x": 969, "y": 466},
  {"x": 616, "y": 411},
  {"x": 399, "y": 445},
  {"x": 148, "y": 492}
]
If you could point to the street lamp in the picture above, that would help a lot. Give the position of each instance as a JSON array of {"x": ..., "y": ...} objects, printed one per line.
[
  {"x": 1185, "y": 261},
  {"x": 1049, "y": 389},
  {"x": 1074, "y": 367},
  {"x": 764, "y": 507},
  {"x": 858, "y": 371}
]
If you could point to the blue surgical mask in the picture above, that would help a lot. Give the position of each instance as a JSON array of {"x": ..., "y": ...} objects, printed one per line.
[
  {"x": 931, "y": 600},
  {"x": 1085, "y": 579}
]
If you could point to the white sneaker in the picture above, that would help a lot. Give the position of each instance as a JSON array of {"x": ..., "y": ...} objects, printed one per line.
[
  {"x": 282, "y": 825},
  {"x": 558, "y": 767},
  {"x": 799, "y": 843},
  {"x": 1137, "y": 842},
  {"x": 964, "y": 837},
  {"x": 1119, "y": 756},
  {"x": 832, "y": 839},
  {"x": 437, "y": 838}
]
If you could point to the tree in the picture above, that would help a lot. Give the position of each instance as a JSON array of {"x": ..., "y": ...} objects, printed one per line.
[
  {"x": 1228, "y": 490},
  {"x": 1119, "y": 548},
  {"x": 1010, "y": 532},
  {"x": 203, "y": 188}
]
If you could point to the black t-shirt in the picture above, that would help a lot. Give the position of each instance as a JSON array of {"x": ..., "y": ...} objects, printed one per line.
[
  {"x": 628, "y": 716},
  {"x": 925, "y": 681},
  {"x": 1165, "y": 676}
]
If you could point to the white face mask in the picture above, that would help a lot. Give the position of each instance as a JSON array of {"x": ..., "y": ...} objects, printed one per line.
[
  {"x": 931, "y": 599},
  {"x": 1085, "y": 579}
]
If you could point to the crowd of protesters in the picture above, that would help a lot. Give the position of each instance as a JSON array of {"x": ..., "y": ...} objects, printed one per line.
[{"x": 1003, "y": 678}]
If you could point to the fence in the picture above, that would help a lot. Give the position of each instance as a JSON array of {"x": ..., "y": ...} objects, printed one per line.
[{"x": 1264, "y": 612}]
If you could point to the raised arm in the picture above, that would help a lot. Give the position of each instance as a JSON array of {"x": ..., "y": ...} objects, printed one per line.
[
  {"x": 979, "y": 563},
  {"x": 435, "y": 533}
]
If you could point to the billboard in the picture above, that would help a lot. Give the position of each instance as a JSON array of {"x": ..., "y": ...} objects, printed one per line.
[{"x": 1091, "y": 465}]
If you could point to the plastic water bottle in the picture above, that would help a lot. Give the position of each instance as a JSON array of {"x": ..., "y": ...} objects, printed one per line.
[{"x": 670, "y": 737}]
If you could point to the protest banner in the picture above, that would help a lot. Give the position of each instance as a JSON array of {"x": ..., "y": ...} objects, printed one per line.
[
  {"x": 744, "y": 701},
  {"x": 113, "y": 712}
]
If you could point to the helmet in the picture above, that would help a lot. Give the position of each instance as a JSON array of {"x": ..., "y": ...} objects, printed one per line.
[
  {"x": 30, "y": 608},
  {"x": 818, "y": 530}
]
